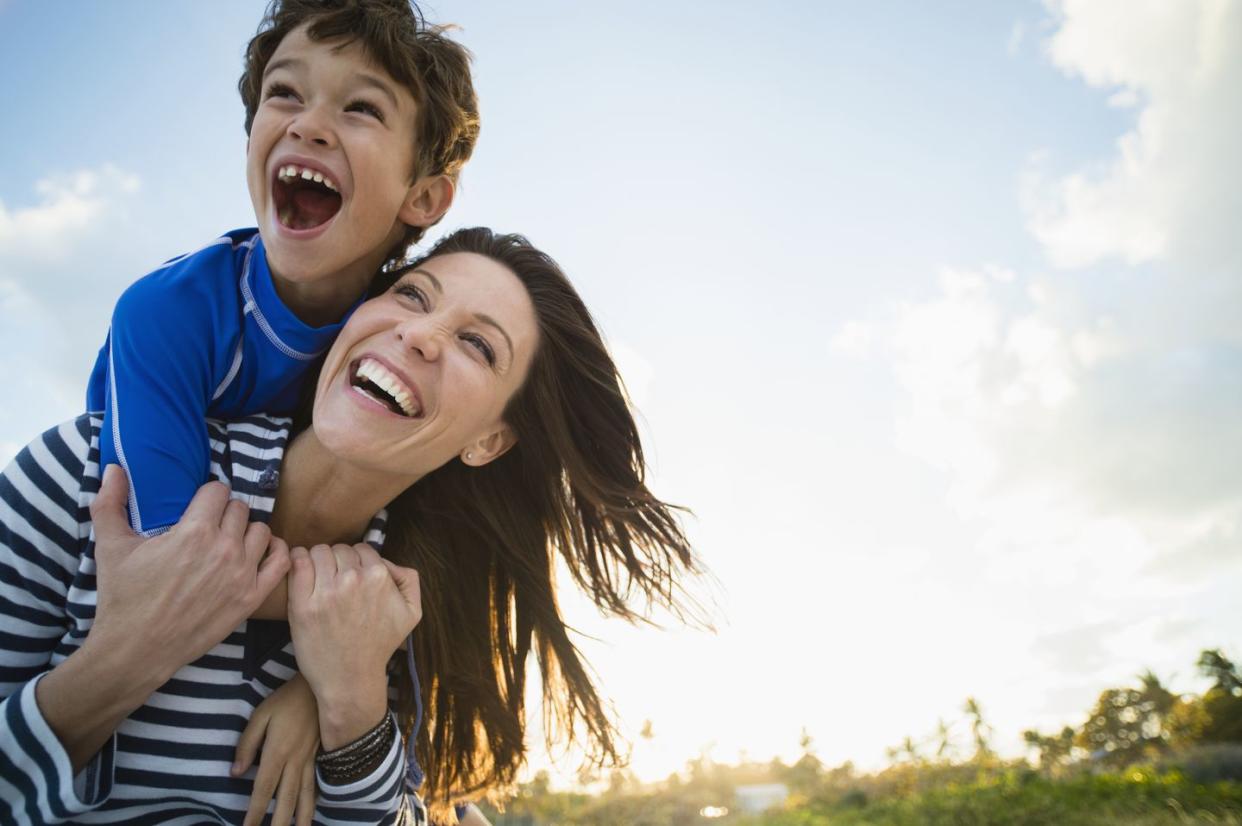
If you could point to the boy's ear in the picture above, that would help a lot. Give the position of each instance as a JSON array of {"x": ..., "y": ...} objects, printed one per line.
[
  {"x": 489, "y": 447},
  {"x": 427, "y": 200}
]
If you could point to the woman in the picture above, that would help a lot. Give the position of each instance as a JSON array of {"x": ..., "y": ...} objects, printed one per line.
[{"x": 474, "y": 397}]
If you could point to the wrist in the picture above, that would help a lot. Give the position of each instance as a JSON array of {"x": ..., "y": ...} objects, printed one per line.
[
  {"x": 115, "y": 677},
  {"x": 349, "y": 713}
]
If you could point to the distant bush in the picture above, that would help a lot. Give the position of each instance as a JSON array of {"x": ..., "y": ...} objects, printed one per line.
[
  {"x": 1208, "y": 762},
  {"x": 1138, "y": 797}
]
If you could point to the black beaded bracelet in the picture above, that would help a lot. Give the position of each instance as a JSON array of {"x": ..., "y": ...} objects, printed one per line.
[{"x": 356, "y": 760}]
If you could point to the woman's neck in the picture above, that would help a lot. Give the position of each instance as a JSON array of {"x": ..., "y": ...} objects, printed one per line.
[{"x": 324, "y": 500}]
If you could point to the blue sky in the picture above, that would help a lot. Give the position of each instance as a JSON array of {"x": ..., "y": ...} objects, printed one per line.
[{"x": 929, "y": 312}]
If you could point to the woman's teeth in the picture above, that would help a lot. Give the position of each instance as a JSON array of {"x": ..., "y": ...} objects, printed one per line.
[
  {"x": 292, "y": 171},
  {"x": 380, "y": 377}
]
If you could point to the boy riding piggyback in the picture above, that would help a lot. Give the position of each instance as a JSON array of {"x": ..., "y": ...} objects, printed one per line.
[{"x": 360, "y": 117}]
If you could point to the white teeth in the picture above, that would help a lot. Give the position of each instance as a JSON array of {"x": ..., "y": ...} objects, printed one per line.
[
  {"x": 287, "y": 173},
  {"x": 379, "y": 375}
]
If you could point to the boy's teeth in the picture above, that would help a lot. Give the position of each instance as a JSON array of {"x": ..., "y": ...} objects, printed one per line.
[{"x": 291, "y": 171}]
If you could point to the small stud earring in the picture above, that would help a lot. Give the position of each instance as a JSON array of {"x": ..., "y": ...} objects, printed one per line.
[{"x": 469, "y": 456}]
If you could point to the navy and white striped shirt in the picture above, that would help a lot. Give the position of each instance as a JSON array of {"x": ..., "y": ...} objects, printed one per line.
[{"x": 169, "y": 761}]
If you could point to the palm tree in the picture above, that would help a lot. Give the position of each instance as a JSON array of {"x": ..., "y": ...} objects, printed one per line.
[{"x": 980, "y": 731}]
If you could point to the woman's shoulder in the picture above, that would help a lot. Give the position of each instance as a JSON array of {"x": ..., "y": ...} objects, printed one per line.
[{"x": 64, "y": 454}]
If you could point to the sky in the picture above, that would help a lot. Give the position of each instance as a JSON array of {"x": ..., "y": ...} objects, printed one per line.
[{"x": 930, "y": 313}]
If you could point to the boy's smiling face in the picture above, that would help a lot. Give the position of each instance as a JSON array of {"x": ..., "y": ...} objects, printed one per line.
[{"x": 329, "y": 166}]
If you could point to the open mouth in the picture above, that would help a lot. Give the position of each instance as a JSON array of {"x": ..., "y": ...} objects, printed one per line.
[
  {"x": 305, "y": 198},
  {"x": 373, "y": 379}
]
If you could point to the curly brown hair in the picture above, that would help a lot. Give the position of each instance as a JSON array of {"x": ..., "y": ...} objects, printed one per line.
[{"x": 418, "y": 55}]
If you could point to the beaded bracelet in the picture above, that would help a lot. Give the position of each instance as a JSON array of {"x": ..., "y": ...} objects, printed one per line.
[{"x": 356, "y": 760}]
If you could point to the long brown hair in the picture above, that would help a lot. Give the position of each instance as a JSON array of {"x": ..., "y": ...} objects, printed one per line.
[{"x": 485, "y": 542}]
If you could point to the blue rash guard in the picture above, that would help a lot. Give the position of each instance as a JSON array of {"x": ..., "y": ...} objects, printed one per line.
[{"x": 204, "y": 336}]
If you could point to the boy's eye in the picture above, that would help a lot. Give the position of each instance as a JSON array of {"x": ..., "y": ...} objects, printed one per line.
[
  {"x": 480, "y": 344},
  {"x": 411, "y": 292},
  {"x": 365, "y": 108},
  {"x": 280, "y": 90}
]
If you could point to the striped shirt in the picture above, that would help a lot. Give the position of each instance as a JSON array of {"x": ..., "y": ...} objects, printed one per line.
[{"x": 169, "y": 761}]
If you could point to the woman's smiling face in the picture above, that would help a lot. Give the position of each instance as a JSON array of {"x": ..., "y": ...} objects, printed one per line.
[{"x": 423, "y": 373}]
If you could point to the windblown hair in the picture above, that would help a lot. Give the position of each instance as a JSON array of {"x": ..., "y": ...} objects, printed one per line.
[
  {"x": 485, "y": 541},
  {"x": 418, "y": 55}
]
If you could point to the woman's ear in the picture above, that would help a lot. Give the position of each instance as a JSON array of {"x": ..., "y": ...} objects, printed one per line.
[{"x": 489, "y": 447}]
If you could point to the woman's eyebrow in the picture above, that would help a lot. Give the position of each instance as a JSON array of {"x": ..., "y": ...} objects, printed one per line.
[{"x": 435, "y": 282}]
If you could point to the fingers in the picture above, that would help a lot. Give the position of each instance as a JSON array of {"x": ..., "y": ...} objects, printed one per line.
[
  {"x": 108, "y": 509},
  {"x": 306, "y": 797},
  {"x": 235, "y": 519},
  {"x": 324, "y": 561},
  {"x": 249, "y": 742},
  {"x": 407, "y": 584},
  {"x": 207, "y": 506},
  {"x": 287, "y": 796},
  {"x": 256, "y": 540},
  {"x": 346, "y": 557},
  {"x": 274, "y": 568},
  {"x": 301, "y": 576},
  {"x": 368, "y": 555},
  {"x": 264, "y": 786}
]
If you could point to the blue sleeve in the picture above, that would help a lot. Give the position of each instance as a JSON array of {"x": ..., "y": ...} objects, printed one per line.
[{"x": 157, "y": 385}]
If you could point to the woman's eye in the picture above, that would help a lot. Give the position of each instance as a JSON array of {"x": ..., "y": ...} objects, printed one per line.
[
  {"x": 280, "y": 90},
  {"x": 479, "y": 343},
  {"x": 366, "y": 109},
  {"x": 413, "y": 293}
]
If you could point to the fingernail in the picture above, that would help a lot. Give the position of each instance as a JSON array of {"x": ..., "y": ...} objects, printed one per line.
[{"x": 236, "y": 768}]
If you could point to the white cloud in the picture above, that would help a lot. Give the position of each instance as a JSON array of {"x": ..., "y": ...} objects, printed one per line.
[
  {"x": 71, "y": 208},
  {"x": 54, "y": 291},
  {"x": 1088, "y": 432},
  {"x": 1170, "y": 189}
]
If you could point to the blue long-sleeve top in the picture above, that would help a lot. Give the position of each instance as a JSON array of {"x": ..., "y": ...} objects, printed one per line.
[{"x": 204, "y": 336}]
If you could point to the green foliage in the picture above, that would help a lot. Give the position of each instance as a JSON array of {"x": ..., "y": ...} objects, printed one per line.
[
  {"x": 1085, "y": 777},
  {"x": 1127, "y": 725},
  {"x": 1016, "y": 798}
]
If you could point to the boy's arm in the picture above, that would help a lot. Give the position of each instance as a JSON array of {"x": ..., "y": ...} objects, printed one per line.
[{"x": 158, "y": 380}]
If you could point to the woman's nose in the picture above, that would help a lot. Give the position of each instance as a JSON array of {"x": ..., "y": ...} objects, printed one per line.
[
  {"x": 422, "y": 336},
  {"x": 313, "y": 125}
]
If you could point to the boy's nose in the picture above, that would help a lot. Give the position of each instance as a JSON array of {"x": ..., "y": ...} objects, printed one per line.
[{"x": 311, "y": 125}]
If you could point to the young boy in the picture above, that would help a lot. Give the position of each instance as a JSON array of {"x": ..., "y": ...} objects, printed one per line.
[{"x": 360, "y": 117}]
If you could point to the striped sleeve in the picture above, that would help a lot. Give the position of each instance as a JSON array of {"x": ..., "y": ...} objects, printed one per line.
[
  {"x": 41, "y": 529},
  {"x": 376, "y": 798}
]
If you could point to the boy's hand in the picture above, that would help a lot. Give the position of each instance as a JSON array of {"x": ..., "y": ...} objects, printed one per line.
[{"x": 286, "y": 724}]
